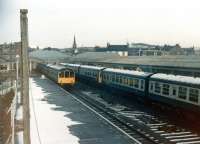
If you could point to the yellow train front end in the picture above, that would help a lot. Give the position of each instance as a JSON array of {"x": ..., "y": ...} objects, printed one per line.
[
  {"x": 66, "y": 81},
  {"x": 66, "y": 77}
]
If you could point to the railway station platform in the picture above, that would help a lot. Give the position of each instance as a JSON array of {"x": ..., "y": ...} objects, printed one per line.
[{"x": 58, "y": 118}]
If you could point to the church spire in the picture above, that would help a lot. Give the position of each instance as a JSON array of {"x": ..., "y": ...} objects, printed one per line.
[{"x": 75, "y": 50}]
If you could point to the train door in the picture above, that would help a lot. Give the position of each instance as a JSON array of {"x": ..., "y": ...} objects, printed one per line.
[{"x": 99, "y": 76}]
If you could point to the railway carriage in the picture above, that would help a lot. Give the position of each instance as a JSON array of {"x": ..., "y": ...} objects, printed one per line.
[
  {"x": 74, "y": 67},
  {"x": 134, "y": 82},
  {"x": 91, "y": 73},
  {"x": 57, "y": 73},
  {"x": 179, "y": 91}
]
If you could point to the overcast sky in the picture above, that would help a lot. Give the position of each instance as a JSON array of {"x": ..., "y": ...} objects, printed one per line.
[{"x": 96, "y": 22}]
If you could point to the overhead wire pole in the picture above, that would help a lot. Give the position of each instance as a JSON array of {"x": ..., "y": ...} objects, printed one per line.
[{"x": 25, "y": 75}]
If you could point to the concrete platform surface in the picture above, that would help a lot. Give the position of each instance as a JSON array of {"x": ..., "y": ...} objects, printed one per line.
[{"x": 57, "y": 118}]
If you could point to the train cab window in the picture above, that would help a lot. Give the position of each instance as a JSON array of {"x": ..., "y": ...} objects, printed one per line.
[
  {"x": 182, "y": 93},
  {"x": 141, "y": 84},
  {"x": 157, "y": 87},
  {"x": 71, "y": 74},
  {"x": 193, "y": 95},
  {"x": 174, "y": 91},
  {"x": 165, "y": 89},
  {"x": 67, "y": 74},
  {"x": 61, "y": 75}
]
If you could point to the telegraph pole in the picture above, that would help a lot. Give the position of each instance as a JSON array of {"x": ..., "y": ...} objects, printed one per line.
[{"x": 25, "y": 75}]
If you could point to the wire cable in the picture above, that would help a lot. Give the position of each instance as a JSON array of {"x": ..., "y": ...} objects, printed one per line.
[{"x": 33, "y": 107}]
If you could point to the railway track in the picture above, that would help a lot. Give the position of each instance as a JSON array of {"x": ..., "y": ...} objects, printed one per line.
[
  {"x": 139, "y": 125},
  {"x": 134, "y": 131}
]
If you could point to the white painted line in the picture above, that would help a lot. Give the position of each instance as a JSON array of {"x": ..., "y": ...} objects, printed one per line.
[
  {"x": 175, "y": 133},
  {"x": 159, "y": 132},
  {"x": 154, "y": 127},
  {"x": 190, "y": 142},
  {"x": 181, "y": 136},
  {"x": 138, "y": 142},
  {"x": 186, "y": 139},
  {"x": 158, "y": 124}
]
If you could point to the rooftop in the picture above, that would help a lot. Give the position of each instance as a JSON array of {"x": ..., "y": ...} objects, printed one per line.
[{"x": 48, "y": 55}]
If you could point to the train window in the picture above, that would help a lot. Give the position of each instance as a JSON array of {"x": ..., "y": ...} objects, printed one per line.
[
  {"x": 157, "y": 87},
  {"x": 182, "y": 93},
  {"x": 151, "y": 86},
  {"x": 136, "y": 83},
  {"x": 193, "y": 95},
  {"x": 165, "y": 89},
  {"x": 61, "y": 75},
  {"x": 130, "y": 82},
  {"x": 141, "y": 84},
  {"x": 117, "y": 78},
  {"x": 113, "y": 78},
  {"x": 120, "y": 79},
  {"x": 125, "y": 81},
  {"x": 110, "y": 77},
  {"x": 174, "y": 91},
  {"x": 66, "y": 74},
  {"x": 71, "y": 74}
]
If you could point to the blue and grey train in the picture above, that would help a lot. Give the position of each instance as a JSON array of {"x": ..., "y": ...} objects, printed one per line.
[{"x": 178, "y": 91}]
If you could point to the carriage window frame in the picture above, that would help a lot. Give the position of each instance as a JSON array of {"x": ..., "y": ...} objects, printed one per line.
[
  {"x": 136, "y": 83},
  {"x": 130, "y": 82},
  {"x": 67, "y": 74},
  {"x": 103, "y": 76},
  {"x": 194, "y": 97},
  {"x": 110, "y": 78},
  {"x": 165, "y": 89},
  {"x": 182, "y": 92},
  {"x": 62, "y": 74},
  {"x": 126, "y": 80},
  {"x": 151, "y": 86},
  {"x": 120, "y": 79},
  {"x": 174, "y": 91},
  {"x": 157, "y": 87},
  {"x": 117, "y": 79},
  {"x": 142, "y": 84},
  {"x": 113, "y": 77}
]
